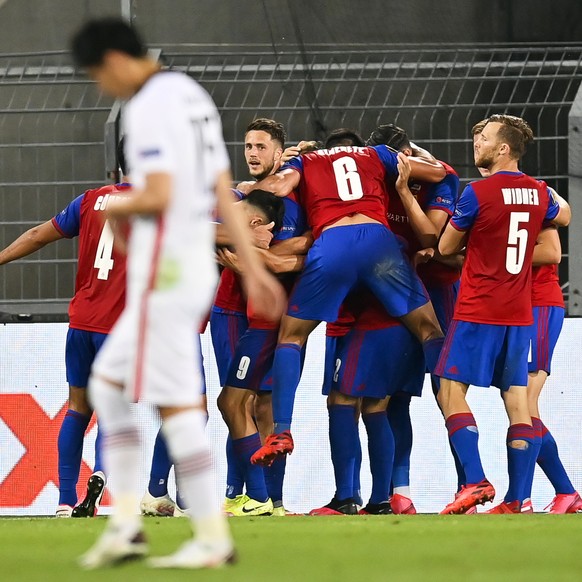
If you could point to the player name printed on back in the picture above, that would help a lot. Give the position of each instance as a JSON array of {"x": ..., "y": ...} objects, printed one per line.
[
  {"x": 338, "y": 149},
  {"x": 101, "y": 202},
  {"x": 521, "y": 196}
]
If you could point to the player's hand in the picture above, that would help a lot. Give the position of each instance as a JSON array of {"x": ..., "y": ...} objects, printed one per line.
[
  {"x": 423, "y": 256},
  {"x": 263, "y": 235},
  {"x": 403, "y": 171},
  {"x": 289, "y": 153},
  {"x": 265, "y": 294},
  {"x": 229, "y": 260},
  {"x": 245, "y": 187}
]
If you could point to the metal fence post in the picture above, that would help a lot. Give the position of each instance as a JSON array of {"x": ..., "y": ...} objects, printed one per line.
[{"x": 575, "y": 200}]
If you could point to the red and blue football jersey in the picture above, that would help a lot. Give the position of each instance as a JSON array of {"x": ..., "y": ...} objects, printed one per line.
[
  {"x": 503, "y": 215},
  {"x": 440, "y": 196},
  {"x": 546, "y": 290},
  {"x": 344, "y": 181},
  {"x": 100, "y": 284}
]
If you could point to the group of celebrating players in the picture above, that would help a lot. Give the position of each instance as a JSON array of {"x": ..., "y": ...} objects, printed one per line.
[{"x": 369, "y": 237}]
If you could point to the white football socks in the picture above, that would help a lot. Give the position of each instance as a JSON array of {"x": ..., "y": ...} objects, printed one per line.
[
  {"x": 121, "y": 450},
  {"x": 190, "y": 452}
]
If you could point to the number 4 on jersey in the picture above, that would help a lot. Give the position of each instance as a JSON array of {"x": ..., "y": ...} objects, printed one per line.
[{"x": 103, "y": 260}]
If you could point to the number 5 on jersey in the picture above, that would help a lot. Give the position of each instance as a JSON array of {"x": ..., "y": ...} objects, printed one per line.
[
  {"x": 103, "y": 257},
  {"x": 516, "y": 242}
]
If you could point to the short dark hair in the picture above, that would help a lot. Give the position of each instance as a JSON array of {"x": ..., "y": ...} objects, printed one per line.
[
  {"x": 343, "y": 137},
  {"x": 275, "y": 129},
  {"x": 272, "y": 206},
  {"x": 97, "y": 37},
  {"x": 514, "y": 131},
  {"x": 391, "y": 135}
]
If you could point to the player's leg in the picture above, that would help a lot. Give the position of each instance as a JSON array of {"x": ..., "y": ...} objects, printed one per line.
[
  {"x": 468, "y": 357},
  {"x": 275, "y": 472},
  {"x": 381, "y": 452},
  {"x": 156, "y": 500},
  {"x": 79, "y": 356},
  {"x": 546, "y": 330},
  {"x": 443, "y": 298},
  {"x": 343, "y": 440},
  {"x": 317, "y": 296},
  {"x": 511, "y": 377},
  {"x": 398, "y": 414},
  {"x": 408, "y": 379},
  {"x": 96, "y": 483},
  {"x": 520, "y": 445},
  {"x": 391, "y": 277},
  {"x": 173, "y": 380},
  {"x": 123, "y": 538},
  {"x": 226, "y": 329},
  {"x": 252, "y": 359}
]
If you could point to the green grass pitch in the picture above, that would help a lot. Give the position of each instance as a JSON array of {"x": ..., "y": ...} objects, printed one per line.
[{"x": 427, "y": 548}]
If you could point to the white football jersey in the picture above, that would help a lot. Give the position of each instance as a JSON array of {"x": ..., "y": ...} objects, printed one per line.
[{"x": 172, "y": 126}]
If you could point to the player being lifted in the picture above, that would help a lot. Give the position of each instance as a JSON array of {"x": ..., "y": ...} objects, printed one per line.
[
  {"x": 498, "y": 220},
  {"x": 342, "y": 191}
]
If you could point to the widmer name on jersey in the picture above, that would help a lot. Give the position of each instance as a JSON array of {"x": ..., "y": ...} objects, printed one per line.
[{"x": 521, "y": 196}]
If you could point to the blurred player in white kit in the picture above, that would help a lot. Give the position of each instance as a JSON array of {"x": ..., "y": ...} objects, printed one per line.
[{"x": 180, "y": 170}]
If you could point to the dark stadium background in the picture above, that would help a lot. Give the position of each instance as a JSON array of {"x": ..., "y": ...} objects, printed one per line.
[{"x": 433, "y": 67}]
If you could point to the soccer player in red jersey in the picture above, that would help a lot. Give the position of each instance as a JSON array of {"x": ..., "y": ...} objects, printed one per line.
[
  {"x": 343, "y": 193},
  {"x": 419, "y": 214},
  {"x": 264, "y": 148},
  {"x": 99, "y": 299},
  {"x": 498, "y": 220},
  {"x": 360, "y": 376},
  {"x": 548, "y": 313}
]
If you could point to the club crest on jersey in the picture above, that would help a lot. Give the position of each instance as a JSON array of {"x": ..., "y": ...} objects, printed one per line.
[{"x": 528, "y": 196}]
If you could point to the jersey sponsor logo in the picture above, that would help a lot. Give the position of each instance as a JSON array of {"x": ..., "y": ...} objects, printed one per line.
[
  {"x": 528, "y": 196},
  {"x": 397, "y": 217},
  {"x": 442, "y": 200}
]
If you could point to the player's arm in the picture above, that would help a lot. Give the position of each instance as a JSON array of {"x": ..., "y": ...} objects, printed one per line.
[
  {"x": 452, "y": 242},
  {"x": 426, "y": 170},
  {"x": 152, "y": 200},
  {"x": 297, "y": 245},
  {"x": 564, "y": 213},
  {"x": 277, "y": 264},
  {"x": 423, "y": 228},
  {"x": 281, "y": 184},
  {"x": 282, "y": 263},
  {"x": 455, "y": 236},
  {"x": 30, "y": 241},
  {"x": 548, "y": 250},
  {"x": 421, "y": 169},
  {"x": 263, "y": 290}
]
